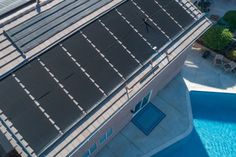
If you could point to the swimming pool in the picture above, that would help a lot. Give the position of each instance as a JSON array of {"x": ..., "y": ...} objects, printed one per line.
[{"x": 214, "y": 133}]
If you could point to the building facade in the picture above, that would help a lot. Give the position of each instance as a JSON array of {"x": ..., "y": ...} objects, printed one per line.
[{"x": 74, "y": 73}]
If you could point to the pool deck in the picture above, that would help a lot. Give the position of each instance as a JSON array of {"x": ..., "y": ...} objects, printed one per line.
[
  {"x": 220, "y": 7},
  {"x": 197, "y": 73}
]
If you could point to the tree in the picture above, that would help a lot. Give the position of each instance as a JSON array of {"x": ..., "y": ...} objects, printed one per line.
[
  {"x": 230, "y": 18},
  {"x": 217, "y": 38}
]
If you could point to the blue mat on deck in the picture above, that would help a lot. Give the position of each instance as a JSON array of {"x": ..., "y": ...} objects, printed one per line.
[{"x": 148, "y": 118}]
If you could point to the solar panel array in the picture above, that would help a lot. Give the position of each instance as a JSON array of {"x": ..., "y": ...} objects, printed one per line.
[{"x": 47, "y": 96}]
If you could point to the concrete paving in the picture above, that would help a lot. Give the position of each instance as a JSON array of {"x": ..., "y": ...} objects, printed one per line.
[
  {"x": 220, "y": 7},
  {"x": 197, "y": 73}
]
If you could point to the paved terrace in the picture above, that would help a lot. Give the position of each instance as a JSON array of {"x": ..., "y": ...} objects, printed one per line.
[{"x": 197, "y": 74}]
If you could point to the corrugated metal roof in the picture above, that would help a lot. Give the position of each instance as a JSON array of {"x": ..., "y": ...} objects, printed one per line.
[{"x": 8, "y": 5}]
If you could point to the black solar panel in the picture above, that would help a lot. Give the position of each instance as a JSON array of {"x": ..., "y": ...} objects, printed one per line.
[
  {"x": 120, "y": 58},
  {"x": 131, "y": 40},
  {"x": 95, "y": 31},
  {"x": 83, "y": 90},
  {"x": 92, "y": 62},
  {"x": 131, "y": 12},
  {"x": 59, "y": 63},
  {"x": 25, "y": 116},
  {"x": 61, "y": 108},
  {"x": 27, "y": 38},
  {"x": 178, "y": 13},
  {"x": 159, "y": 17},
  {"x": 36, "y": 79},
  {"x": 139, "y": 48},
  {"x": 114, "y": 22},
  {"x": 147, "y": 29},
  {"x": 71, "y": 76},
  {"x": 113, "y": 51}
]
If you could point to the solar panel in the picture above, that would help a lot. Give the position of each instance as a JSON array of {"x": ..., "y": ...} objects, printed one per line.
[
  {"x": 27, "y": 36},
  {"x": 131, "y": 40},
  {"x": 35, "y": 128},
  {"x": 59, "y": 63},
  {"x": 95, "y": 31},
  {"x": 146, "y": 28},
  {"x": 139, "y": 48},
  {"x": 178, "y": 13},
  {"x": 72, "y": 77},
  {"x": 131, "y": 12},
  {"x": 113, "y": 19},
  {"x": 160, "y": 17},
  {"x": 113, "y": 51},
  {"x": 96, "y": 66},
  {"x": 120, "y": 58},
  {"x": 60, "y": 108},
  {"x": 36, "y": 79},
  {"x": 83, "y": 90}
]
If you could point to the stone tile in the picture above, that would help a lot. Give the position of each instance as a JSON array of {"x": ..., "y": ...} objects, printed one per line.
[{"x": 122, "y": 147}]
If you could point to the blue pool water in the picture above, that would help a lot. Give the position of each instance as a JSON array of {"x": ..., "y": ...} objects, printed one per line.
[{"x": 214, "y": 133}]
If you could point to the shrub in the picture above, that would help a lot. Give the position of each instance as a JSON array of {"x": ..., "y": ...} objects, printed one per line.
[
  {"x": 230, "y": 18},
  {"x": 232, "y": 55},
  {"x": 217, "y": 38}
]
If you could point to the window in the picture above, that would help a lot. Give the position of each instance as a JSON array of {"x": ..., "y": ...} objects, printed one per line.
[
  {"x": 90, "y": 151},
  {"x": 103, "y": 139},
  {"x": 146, "y": 99},
  {"x": 142, "y": 103},
  {"x": 93, "y": 148},
  {"x": 86, "y": 154},
  {"x": 138, "y": 106},
  {"x": 106, "y": 136},
  {"x": 109, "y": 132}
]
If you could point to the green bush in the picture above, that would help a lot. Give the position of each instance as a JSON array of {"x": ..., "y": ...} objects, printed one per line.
[
  {"x": 232, "y": 55},
  {"x": 230, "y": 18},
  {"x": 217, "y": 37}
]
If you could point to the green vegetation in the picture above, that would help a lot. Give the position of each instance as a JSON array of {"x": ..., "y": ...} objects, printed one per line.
[
  {"x": 232, "y": 55},
  {"x": 217, "y": 38},
  {"x": 230, "y": 18}
]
